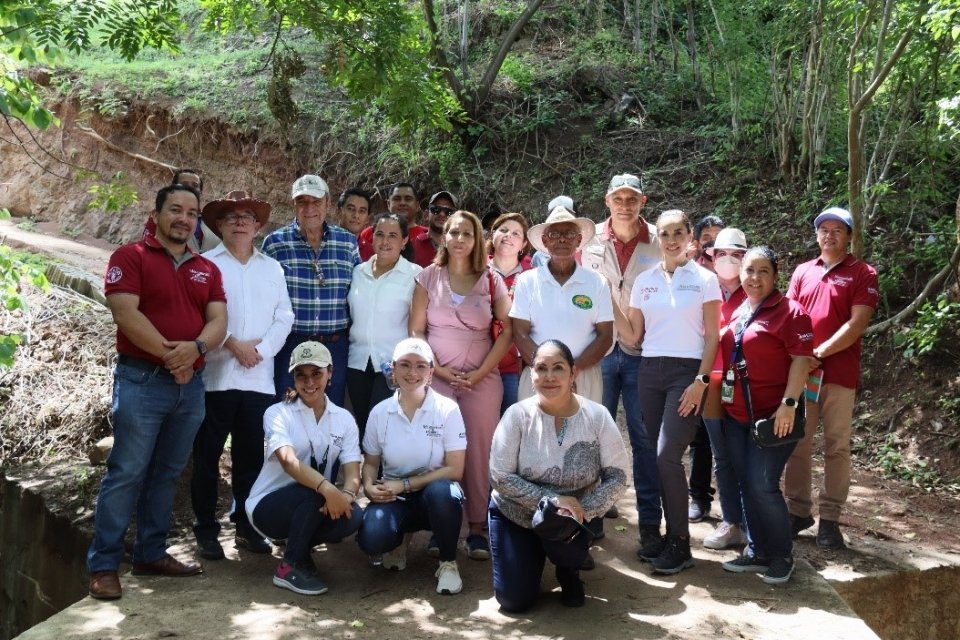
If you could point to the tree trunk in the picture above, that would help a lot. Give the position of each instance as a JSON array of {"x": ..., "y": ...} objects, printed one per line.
[{"x": 692, "y": 51}]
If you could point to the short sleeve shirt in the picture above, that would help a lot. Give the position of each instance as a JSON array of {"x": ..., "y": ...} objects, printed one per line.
[
  {"x": 569, "y": 312},
  {"x": 829, "y": 296},
  {"x": 673, "y": 311},
  {"x": 174, "y": 298},
  {"x": 414, "y": 447}
]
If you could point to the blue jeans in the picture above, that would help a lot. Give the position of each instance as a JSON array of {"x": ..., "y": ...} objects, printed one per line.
[
  {"x": 283, "y": 379},
  {"x": 758, "y": 472},
  {"x": 154, "y": 424},
  {"x": 511, "y": 385},
  {"x": 292, "y": 513},
  {"x": 726, "y": 477},
  {"x": 620, "y": 371},
  {"x": 437, "y": 508},
  {"x": 518, "y": 555}
]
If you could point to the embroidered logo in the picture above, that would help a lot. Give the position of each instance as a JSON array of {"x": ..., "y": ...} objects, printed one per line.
[
  {"x": 841, "y": 281},
  {"x": 433, "y": 430},
  {"x": 114, "y": 275},
  {"x": 582, "y": 302},
  {"x": 690, "y": 287},
  {"x": 201, "y": 277},
  {"x": 337, "y": 441},
  {"x": 805, "y": 337}
]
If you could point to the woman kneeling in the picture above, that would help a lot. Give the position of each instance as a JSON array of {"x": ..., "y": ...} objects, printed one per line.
[
  {"x": 419, "y": 438},
  {"x": 555, "y": 445},
  {"x": 307, "y": 439}
]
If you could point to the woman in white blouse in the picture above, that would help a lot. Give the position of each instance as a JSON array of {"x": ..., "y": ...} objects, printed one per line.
[
  {"x": 379, "y": 299},
  {"x": 674, "y": 314}
]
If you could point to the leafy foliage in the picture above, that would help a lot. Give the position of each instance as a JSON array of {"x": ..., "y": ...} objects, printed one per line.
[{"x": 15, "y": 268}]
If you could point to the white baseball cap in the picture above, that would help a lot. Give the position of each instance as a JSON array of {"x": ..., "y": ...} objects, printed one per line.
[
  {"x": 310, "y": 185},
  {"x": 413, "y": 347}
]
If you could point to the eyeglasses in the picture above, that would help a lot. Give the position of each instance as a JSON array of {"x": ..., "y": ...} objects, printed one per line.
[
  {"x": 232, "y": 218},
  {"x": 436, "y": 210},
  {"x": 566, "y": 235},
  {"x": 420, "y": 367}
]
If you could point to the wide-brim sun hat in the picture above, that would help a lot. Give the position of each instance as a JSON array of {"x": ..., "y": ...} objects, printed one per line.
[
  {"x": 729, "y": 239},
  {"x": 560, "y": 215},
  {"x": 237, "y": 199}
]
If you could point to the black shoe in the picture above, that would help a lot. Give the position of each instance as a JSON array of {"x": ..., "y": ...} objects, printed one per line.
[
  {"x": 799, "y": 523},
  {"x": 676, "y": 556},
  {"x": 589, "y": 564},
  {"x": 210, "y": 549},
  {"x": 651, "y": 542},
  {"x": 253, "y": 544},
  {"x": 612, "y": 512},
  {"x": 828, "y": 535},
  {"x": 571, "y": 588}
]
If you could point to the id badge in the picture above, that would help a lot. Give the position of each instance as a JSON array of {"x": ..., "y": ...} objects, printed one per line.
[{"x": 727, "y": 387}]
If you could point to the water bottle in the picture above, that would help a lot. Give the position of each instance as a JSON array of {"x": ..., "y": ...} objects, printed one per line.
[{"x": 386, "y": 368}]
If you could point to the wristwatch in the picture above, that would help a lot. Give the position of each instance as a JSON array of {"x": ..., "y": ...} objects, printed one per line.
[
  {"x": 201, "y": 346},
  {"x": 703, "y": 377},
  {"x": 790, "y": 402}
]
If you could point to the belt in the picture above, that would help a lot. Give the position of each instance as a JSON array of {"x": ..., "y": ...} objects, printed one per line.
[
  {"x": 336, "y": 336},
  {"x": 143, "y": 365}
]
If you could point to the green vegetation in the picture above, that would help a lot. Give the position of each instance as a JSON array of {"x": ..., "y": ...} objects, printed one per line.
[{"x": 15, "y": 268}]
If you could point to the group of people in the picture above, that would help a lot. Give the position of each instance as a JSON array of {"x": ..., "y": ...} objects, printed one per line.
[{"x": 483, "y": 383}]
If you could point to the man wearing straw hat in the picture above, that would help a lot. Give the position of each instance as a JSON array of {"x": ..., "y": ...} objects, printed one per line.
[
  {"x": 563, "y": 301},
  {"x": 239, "y": 374}
]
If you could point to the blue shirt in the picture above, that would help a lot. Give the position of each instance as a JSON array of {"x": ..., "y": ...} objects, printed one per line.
[{"x": 318, "y": 280}]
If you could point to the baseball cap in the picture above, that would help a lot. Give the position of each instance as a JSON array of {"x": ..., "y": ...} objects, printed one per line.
[
  {"x": 834, "y": 213},
  {"x": 444, "y": 194},
  {"x": 310, "y": 353},
  {"x": 413, "y": 347},
  {"x": 625, "y": 181},
  {"x": 310, "y": 185}
]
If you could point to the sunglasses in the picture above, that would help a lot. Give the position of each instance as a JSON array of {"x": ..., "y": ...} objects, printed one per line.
[{"x": 436, "y": 210}]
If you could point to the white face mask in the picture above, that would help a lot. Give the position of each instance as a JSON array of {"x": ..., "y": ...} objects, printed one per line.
[{"x": 727, "y": 267}]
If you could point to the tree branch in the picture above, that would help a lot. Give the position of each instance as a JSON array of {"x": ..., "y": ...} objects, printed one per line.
[
  {"x": 136, "y": 156},
  {"x": 483, "y": 90},
  {"x": 439, "y": 56}
]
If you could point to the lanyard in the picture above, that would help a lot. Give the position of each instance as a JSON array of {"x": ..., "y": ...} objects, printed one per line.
[{"x": 741, "y": 329}]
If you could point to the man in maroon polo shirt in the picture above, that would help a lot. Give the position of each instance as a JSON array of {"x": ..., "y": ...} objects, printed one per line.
[
  {"x": 403, "y": 201},
  {"x": 169, "y": 304},
  {"x": 425, "y": 243},
  {"x": 839, "y": 292}
]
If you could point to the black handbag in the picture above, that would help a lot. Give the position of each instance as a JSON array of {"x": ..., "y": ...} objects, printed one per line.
[{"x": 550, "y": 524}]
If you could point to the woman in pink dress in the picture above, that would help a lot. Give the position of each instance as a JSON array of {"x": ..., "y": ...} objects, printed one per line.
[{"x": 454, "y": 303}]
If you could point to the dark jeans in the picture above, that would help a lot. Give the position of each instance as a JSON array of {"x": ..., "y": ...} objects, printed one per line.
[
  {"x": 661, "y": 383},
  {"x": 701, "y": 467},
  {"x": 620, "y": 371},
  {"x": 238, "y": 414},
  {"x": 367, "y": 389},
  {"x": 511, "y": 388},
  {"x": 437, "y": 508},
  {"x": 726, "y": 478},
  {"x": 283, "y": 379},
  {"x": 758, "y": 472},
  {"x": 518, "y": 556},
  {"x": 293, "y": 513}
]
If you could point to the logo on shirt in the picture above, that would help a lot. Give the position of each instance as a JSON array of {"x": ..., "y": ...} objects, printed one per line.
[
  {"x": 841, "y": 281},
  {"x": 433, "y": 430},
  {"x": 806, "y": 337},
  {"x": 582, "y": 302},
  {"x": 114, "y": 275},
  {"x": 337, "y": 441},
  {"x": 690, "y": 287},
  {"x": 200, "y": 277}
]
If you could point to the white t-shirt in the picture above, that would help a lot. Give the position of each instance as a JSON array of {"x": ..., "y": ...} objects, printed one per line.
[
  {"x": 568, "y": 313},
  {"x": 335, "y": 436},
  {"x": 673, "y": 311},
  {"x": 411, "y": 448},
  {"x": 379, "y": 311}
]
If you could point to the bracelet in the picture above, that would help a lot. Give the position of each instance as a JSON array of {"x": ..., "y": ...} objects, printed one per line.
[
  {"x": 406, "y": 485},
  {"x": 349, "y": 493},
  {"x": 322, "y": 480}
]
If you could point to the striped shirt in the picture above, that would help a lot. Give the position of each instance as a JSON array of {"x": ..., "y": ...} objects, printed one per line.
[{"x": 318, "y": 280}]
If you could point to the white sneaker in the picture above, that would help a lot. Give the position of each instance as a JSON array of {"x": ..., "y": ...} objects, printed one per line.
[
  {"x": 396, "y": 560},
  {"x": 726, "y": 535},
  {"x": 448, "y": 578}
]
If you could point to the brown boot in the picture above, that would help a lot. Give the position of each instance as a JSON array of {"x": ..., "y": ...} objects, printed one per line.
[{"x": 105, "y": 585}]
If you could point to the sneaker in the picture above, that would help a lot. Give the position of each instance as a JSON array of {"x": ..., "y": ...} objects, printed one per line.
[
  {"x": 779, "y": 571},
  {"x": 433, "y": 547},
  {"x": 477, "y": 547},
  {"x": 698, "y": 510},
  {"x": 726, "y": 535},
  {"x": 448, "y": 578},
  {"x": 675, "y": 557},
  {"x": 396, "y": 560},
  {"x": 298, "y": 580},
  {"x": 828, "y": 535},
  {"x": 253, "y": 544},
  {"x": 612, "y": 512},
  {"x": 799, "y": 523},
  {"x": 210, "y": 549},
  {"x": 652, "y": 542},
  {"x": 746, "y": 564},
  {"x": 571, "y": 588}
]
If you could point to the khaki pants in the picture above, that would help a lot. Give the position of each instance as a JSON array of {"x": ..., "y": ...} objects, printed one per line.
[
  {"x": 835, "y": 407},
  {"x": 589, "y": 384}
]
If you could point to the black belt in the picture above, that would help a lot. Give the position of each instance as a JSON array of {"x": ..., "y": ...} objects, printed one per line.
[
  {"x": 143, "y": 365},
  {"x": 322, "y": 337}
]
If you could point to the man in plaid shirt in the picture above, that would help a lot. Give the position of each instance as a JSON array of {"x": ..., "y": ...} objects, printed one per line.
[{"x": 318, "y": 259}]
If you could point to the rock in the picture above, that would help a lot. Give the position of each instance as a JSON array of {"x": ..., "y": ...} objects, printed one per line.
[{"x": 98, "y": 453}]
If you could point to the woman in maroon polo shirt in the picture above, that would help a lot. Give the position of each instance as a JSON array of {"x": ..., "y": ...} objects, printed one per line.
[{"x": 776, "y": 342}]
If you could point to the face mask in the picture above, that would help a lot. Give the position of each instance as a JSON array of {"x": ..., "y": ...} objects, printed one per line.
[{"x": 727, "y": 267}]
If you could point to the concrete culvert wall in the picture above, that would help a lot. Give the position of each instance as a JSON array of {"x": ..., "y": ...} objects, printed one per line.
[
  {"x": 909, "y": 605},
  {"x": 42, "y": 557}
]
